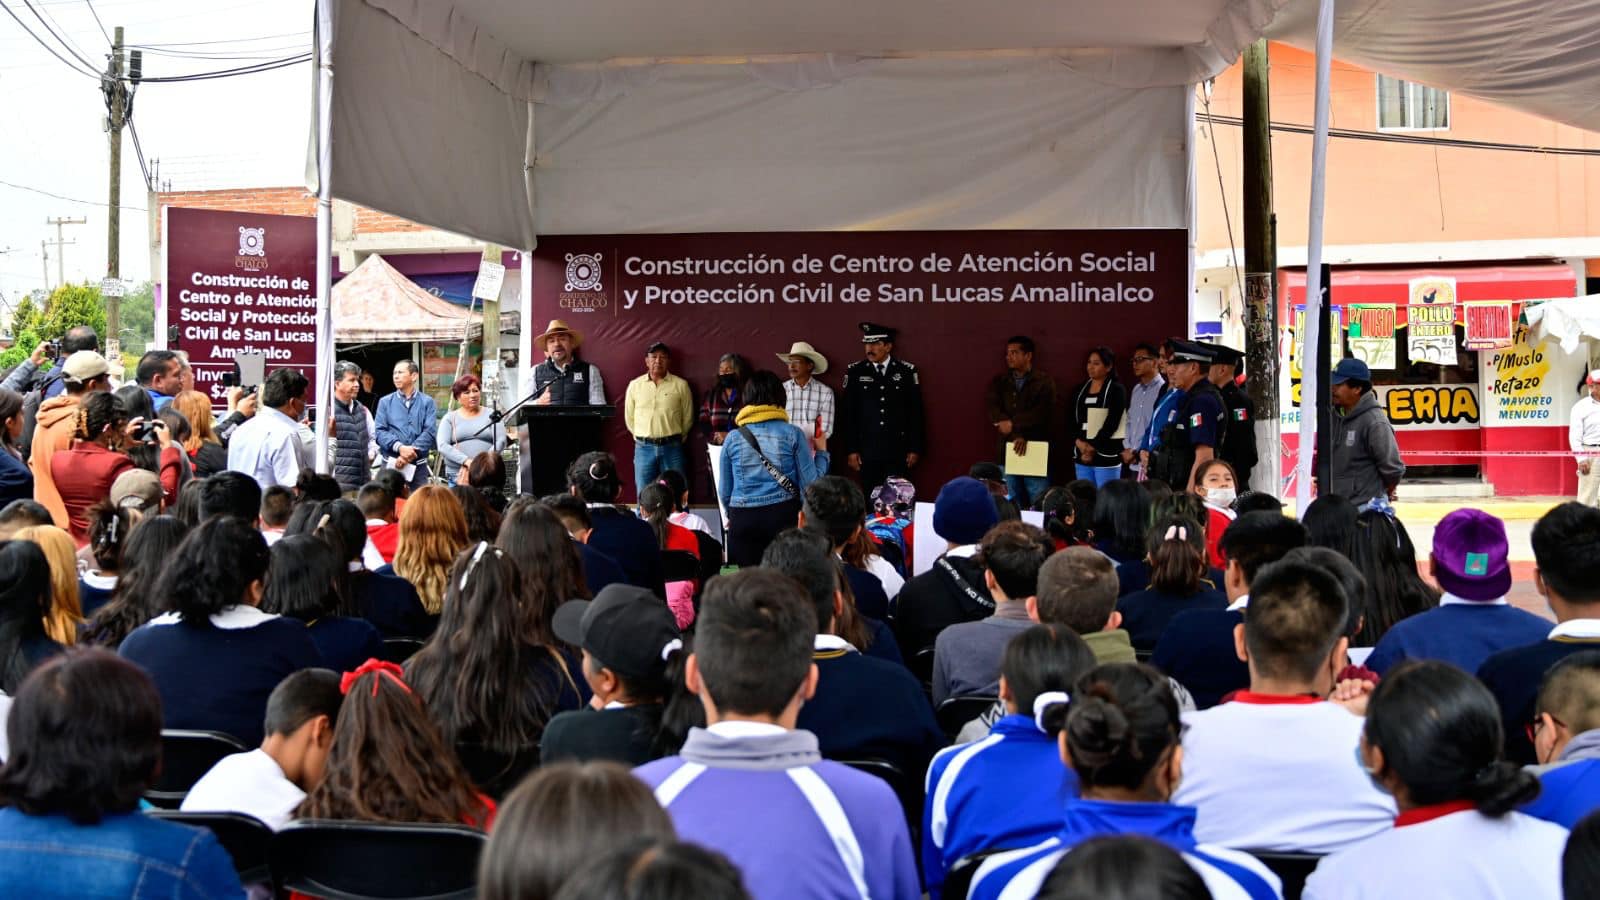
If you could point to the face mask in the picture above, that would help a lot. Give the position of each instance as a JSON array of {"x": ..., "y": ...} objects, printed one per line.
[
  {"x": 728, "y": 381},
  {"x": 1220, "y": 496}
]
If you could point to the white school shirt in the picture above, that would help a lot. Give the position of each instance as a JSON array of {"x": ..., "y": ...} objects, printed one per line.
[
  {"x": 249, "y": 783},
  {"x": 892, "y": 580},
  {"x": 1444, "y": 851},
  {"x": 1274, "y": 773}
]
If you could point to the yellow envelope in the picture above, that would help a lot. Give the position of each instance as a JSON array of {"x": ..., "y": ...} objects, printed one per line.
[{"x": 1034, "y": 461}]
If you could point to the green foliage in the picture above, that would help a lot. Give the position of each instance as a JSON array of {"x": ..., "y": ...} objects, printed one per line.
[
  {"x": 72, "y": 305},
  {"x": 26, "y": 316},
  {"x": 26, "y": 341}
]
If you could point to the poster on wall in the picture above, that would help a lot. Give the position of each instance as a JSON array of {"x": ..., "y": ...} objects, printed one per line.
[
  {"x": 439, "y": 364},
  {"x": 1371, "y": 334},
  {"x": 239, "y": 283},
  {"x": 1489, "y": 325},
  {"x": 1297, "y": 345},
  {"x": 1416, "y": 407},
  {"x": 1431, "y": 334}
]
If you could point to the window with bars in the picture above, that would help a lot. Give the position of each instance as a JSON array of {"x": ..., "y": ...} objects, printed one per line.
[{"x": 1408, "y": 106}]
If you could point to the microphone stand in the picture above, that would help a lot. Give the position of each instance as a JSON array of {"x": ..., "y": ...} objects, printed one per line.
[{"x": 496, "y": 416}]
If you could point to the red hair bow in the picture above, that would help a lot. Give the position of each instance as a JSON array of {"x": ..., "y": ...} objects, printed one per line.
[{"x": 373, "y": 666}]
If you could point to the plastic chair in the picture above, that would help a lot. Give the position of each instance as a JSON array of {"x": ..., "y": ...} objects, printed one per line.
[
  {"x": 246, "y": 839},
  {"x": 185, "y": 757},
  {"x": 377, "y": 861},
  {"x": 496, "y": 773},
  {"x": 711, "y": 558},
  {"x": 679, "y": 565},
  {"x": 921, "y": 665},
  {"x": 399, "y": 649},
  {"x": 906, "y": 788},
  {"x": 954, "y": 713},
  {"x": 958, "y": 881},
  {"x": 1292, "y": 867}
]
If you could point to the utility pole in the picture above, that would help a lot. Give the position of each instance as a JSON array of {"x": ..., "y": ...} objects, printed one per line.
[
  {"x": 61, "y": 258},
  {"x": 1261, "y": 264},
  {"x": 44, "y": 260},
  {"x": 117, "y": 101}
]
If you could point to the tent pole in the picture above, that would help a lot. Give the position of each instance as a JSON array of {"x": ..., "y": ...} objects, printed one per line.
[
  {"x": 1319, "y": 166},
  {"x": 324, "y": 368}
]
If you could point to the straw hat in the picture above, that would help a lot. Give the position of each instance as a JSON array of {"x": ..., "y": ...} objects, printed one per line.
[
  {"x": 801, "y": 348},
  {"x": 557, "y": 326}
]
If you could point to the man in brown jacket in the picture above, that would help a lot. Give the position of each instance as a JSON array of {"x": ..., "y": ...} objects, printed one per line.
[
  {"x": 1021, "y": 401},
  {"x": 82, "y": 373}
]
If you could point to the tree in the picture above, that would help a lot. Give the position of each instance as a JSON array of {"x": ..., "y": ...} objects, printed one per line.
[
  {"x": 25, "y": 317},
  {"x": 72, "y": 305},
  {"x": 138, "y": 319},
  {"x": 19, "y": 351}
]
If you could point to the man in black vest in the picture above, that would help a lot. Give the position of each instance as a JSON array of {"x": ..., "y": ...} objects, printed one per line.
[
  {"x": 565, "y": 380},
  {"x": 354, "y": 448},
  {"x": 1198, "y": 423},
  {"x": 1239, "y": 443},
  {"x": 880, "y": 416}
]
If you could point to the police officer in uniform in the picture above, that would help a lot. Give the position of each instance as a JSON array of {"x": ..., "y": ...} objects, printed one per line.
[
  {"x": 1239, "y": 444},
  {"x": 1197, "y": 425},
  {"x": 880, "y": 423}
]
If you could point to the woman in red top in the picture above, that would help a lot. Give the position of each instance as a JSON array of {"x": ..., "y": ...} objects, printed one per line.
[
  {"x": 656, "y": 504},
  {"x": 1214, "y": 483},
  {"x": 84, "y": 474}
]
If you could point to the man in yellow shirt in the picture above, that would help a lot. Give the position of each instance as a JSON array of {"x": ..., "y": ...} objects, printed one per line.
[{"x": 659, "y": 412}]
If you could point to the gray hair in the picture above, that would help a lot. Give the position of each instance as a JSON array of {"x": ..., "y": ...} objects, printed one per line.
[{"x": 345, "y": 367}]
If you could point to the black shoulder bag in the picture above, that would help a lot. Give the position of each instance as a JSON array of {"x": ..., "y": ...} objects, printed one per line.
[{"x": 774, "y": 471}]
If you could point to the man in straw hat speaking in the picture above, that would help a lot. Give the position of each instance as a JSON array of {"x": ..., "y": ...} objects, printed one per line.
[
  {"x": 810, "y": 401},
  {"x": 563, "y": 379}
]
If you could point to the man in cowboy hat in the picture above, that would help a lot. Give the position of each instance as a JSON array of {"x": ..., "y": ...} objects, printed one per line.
[
  {"x": 810, "y": 401},
  {"x": 561, "y": 380},
  {"x": 881, "y": 418}
]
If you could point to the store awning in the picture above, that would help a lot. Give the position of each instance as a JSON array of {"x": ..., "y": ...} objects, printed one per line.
[
  {"x": 1473, "y": 284},
  {"x": 375, "y": 304}
]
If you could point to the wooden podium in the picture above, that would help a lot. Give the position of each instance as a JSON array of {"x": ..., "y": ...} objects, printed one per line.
[{"x": 551, "y": 437}]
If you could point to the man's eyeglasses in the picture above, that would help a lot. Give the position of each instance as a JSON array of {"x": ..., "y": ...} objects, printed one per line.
[
  {"x": 1532, "y": 728},
  {"x": 1140, "y": 359}
]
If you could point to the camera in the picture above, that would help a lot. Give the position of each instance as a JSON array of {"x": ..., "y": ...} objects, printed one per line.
[
  {"x": 230, "y": 379},
  {"x": 146, "y": 432}
]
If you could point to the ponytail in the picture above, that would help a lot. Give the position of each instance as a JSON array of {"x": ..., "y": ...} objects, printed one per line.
[
  {"x": 655, "y": 501},
  {"x": 96, "y": 413},
  {"x": 1123, "y": 720},
  {"x": 1060, "y": 513},
  {"x": 1177, "y": 548},
  {"x": 108, "y": 534},
  {"x": 1501, "y": 787}
]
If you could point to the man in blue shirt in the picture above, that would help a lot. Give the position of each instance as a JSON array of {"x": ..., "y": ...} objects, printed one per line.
[
  {"x": 405, "y": 425},
  {"x": 160, "y": 373}
]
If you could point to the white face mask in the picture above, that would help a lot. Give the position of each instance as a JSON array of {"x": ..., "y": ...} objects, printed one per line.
[{"x": 1220, "y": 496}]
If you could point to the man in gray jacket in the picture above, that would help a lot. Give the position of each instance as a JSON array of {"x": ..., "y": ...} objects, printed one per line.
[{"x": 1366, "y": 459}]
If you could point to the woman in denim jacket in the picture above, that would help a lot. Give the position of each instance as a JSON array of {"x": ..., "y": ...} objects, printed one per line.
[
  {"x": 759, "y": 504},
  {"x": 86, "y": 742}
]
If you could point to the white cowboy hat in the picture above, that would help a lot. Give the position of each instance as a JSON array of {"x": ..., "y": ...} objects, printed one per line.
[
  {"x": 801, "y": 348},
  {"x": 557, "y": 326}
]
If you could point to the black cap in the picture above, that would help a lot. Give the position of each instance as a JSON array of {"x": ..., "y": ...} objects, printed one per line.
[
  {"x": 1193, "y": 351},
  {"x": 987, "y": 471},
  {"x": 628, "y": 629},
  {"x": 872, "y": 332},
  {"x": 1226, "y": 355},
  {"x": 657, "y": 346}
]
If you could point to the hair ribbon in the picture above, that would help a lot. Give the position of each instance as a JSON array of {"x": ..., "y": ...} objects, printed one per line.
[
  {"x": 666, "y": 649},
  {"x": 376, "y": 667},
  {"x": 1176, "y": 533},
  {"x": 477, "y": 555},
  {"x": 1042, "y": 704}
]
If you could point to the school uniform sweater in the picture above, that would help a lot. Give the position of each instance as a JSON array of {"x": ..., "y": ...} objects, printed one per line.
[
  {"x": 1448, "y": 850},
  {"x": 1279, "y": 773},
  {"x": 1134, "y": 575},
  {"x": 624, "y": 734},
  {"x": 881, "y": 643},
  {"x": 1228, "y": 874},
  {"x": 1461, "y": 632},
  {"x": 1005, "y": 791},
  {"x": 345, "y": 643},
  {"x": 217, "y": 676},
  {"x": 1146, "y": 613},
  {"x": 390, "y": 603},
  {"x": 798, "y": 826},
  {"x": 868, "y": 708},
  {"x": 1513, "y": 677},
  {"x": 599, "y": 569},
  {"x": 1197, "y": 650},
  {"x": 871, "y": 600},
  {"x": 628, "y": 540},
  {"x": 1570, "y": 786}
]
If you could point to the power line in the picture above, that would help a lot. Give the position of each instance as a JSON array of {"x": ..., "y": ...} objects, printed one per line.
[
  {"x": 138, "y": 150},
  {"x": 49, "y": 49},
  {"x": 103, "y": 33},
  {"x": 229, "y": 73},
  {"x": 1389, "y": 138},
  {"x": 252, "y": 40},
  {"x": 63, "y": 41},
  {"x": 23, "y": 187}
]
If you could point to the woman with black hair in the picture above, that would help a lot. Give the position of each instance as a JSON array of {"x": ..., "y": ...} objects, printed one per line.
[
  {"x": 1060, "y": 517},
  {"x": 1330, "y": 522},
  {"x": 1384, "y": 553},
  {"x": 1119, "y": 732},
  {"x": 1121, "y": 519},
  {"x": 1096, "y": 420},
  {"x": 483, "y": 523},
  {"x": 1179, "y": 580},
  {"x": 24, "y": 604},
  {"x": 303, "y": 582},
  {"x": 85, "y": 744},
  {"x": 1006, "y": 790},
  {"x": 384, "y": 599},
  {"x": 16, "y": 481},
  {"x": 615, "y": 531},
  {"x": 85, "y": 473},
  {"x": 135, "y": 601},
  {"x": 1433, "y": 740},
  {"x": 216, "y": 657},
  {"x": 765, "y": 466},
  {"x": 657, "y": 869},
  {"x": 109, "y": 528}
]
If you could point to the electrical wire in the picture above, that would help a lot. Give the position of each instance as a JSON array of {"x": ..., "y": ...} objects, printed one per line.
[
  {"x": 48, "y": 49},
  {"x": 229, "y": 73},
  {"x": 1222, "y": 192},
  {"x": 264, "y": 37},
  {"x": 1388, "y": 138},
  {"x": 63, "y": 41},
  {"x": 23, "y": 187},
  {"x": 103, "y": 33},
  {"x": 138, "y": 150}
]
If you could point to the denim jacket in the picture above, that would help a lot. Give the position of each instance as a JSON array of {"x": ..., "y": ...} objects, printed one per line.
[
  {"x": 742, "y": 481},
  {"x": 126, "y": 855}
]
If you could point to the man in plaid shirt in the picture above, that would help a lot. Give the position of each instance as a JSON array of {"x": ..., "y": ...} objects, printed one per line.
[{"x": 809, "y": 399}]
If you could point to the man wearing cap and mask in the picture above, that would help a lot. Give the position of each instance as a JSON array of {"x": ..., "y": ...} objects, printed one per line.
[
  {"x": 561, "y": 380},
  {"x": 1197, "y": 424},
  {"x": 1239, "y": 444},
  {"x": 659, "y": 412},
  {"x": 1583, "y": 435},
  {"x": 1366, "y": 458},
  {"x": 881, "y": 420},
  {"x": 810, "y": 403}
]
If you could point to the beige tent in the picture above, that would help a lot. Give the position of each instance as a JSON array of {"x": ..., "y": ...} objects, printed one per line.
[{"x": 376, "y": 303}]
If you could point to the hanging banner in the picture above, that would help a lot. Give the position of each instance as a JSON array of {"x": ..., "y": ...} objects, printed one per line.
[
  {"x": 1372, "y": 334},
  {"x": 1489, "y": 326},
  {"x": 1431, "y": 334},
  {"x": 1433, "y": 290},
  {"x": 1297, "y": 346}
]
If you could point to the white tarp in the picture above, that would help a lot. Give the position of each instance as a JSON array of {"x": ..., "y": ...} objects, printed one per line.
[
  {"x": 713, "y": 115},
  {"x": 1567, "y": 319}
]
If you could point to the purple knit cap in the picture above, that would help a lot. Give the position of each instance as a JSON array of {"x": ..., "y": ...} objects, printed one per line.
[{"x": 1470, "y": 555}]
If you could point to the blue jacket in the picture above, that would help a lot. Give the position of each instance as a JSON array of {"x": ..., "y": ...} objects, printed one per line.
[
  {"x": 742, "y": 481},
  {"x": 415, "y": 427},
  {"x": 125, "y": 855},
  {"x": 1462, "y": 634},
  {"x": 993, "y": 794},
  {"x": 16, "y": 481}
]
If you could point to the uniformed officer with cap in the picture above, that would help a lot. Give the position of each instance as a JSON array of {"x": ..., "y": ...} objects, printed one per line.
[
  {"x": 880, "y": 414},
  {"x": 1197, "y": 425},
  {"x": 1239, "y": 444}
]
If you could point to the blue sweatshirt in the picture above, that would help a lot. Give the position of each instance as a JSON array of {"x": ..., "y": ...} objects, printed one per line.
[
  {"x": 992, "y": 794},
  {"x": 1196, "y": 649},
  {"x": 1462, "y": 633},
  {"x": 797, "y": 826}
]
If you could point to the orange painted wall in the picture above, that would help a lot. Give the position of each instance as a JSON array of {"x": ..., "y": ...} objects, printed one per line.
[{"x": 1381, "y": 193}]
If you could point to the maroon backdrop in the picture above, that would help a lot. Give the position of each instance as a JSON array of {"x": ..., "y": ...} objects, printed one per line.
[
  {"x": 239, "y": 283},
  {"x": 955, "y": 297}
]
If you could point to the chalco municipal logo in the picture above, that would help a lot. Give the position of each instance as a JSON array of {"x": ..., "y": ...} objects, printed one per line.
[
  {"x": 584, "y": 291},
  {"x": 252, "y": 249}
]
